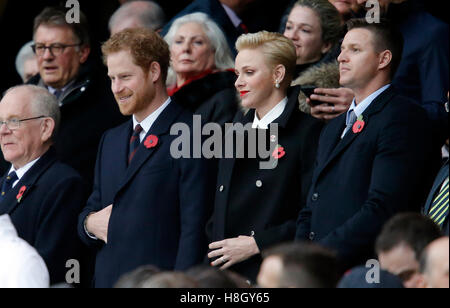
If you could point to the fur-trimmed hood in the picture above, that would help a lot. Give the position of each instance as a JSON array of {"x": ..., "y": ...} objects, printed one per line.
[{"x": 323, "y": 75}]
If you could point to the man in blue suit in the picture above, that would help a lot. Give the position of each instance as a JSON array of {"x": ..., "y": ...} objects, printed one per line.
[
  {"x": 42, "y": 196},
  {"x": 146, "y": 207},
  {"x": 372, "y": 161}
]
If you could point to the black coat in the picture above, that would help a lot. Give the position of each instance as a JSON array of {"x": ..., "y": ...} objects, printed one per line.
[
  {"x": 364, "y": 179},
  {"x": 213, "y": 97},
  {"x": 160, "y": 204},
  {"x": 46, "y": 216},
  {"x": 86, "y": 113},
  {"x": 266, "y": 203}
]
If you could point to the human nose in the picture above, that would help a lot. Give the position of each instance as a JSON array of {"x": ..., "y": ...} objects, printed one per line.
[
  {"x": 239, "y": 83},
  {"x": 116, "y": 86},
  {"x": 4, "y": 128},
  {"x": 342, "y": 57},
  {"x": 48, "y": 54}
]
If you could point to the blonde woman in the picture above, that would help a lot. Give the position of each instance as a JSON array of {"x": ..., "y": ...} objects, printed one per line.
[{"x": 256, "y": 208}]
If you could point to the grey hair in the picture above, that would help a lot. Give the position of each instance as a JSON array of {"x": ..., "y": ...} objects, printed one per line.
[
  {"x": 223, "y": 58},
  {"x": 25, "y": 53},
  {"x": 149, "y": 14},
  {"x": 43, "y": 103}
]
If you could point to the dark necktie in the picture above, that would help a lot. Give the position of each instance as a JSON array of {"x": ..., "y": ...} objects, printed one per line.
[
  {"x": 7, "y": 184},
  {"x": 439, "y": 208},
  {"x": 134, "y": 142}
]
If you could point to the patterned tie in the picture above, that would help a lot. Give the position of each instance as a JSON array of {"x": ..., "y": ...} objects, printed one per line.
[
  {"x": 351, "y": 120},
  {"x": 439, "y": 208},
  {"x": 134, "y": 142},
  {"x": 7, "y": 184}
]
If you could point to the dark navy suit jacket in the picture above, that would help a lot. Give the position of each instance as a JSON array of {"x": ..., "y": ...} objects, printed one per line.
[
  {"x": 361, "y": 181},
  {"x": 440, "y": 178},
  {"x": 160, "y": 204},
  {"x": 46, "y": 216}
]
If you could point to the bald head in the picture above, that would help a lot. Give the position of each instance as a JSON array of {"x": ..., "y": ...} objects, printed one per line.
[
  {"x": 435, "y": 263},
  {"x": 137, "y": 14}
]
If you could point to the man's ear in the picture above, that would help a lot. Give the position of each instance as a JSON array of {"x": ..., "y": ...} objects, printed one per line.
[
  {"x": 47, "y": 128},
  {"x": 385, "y": 59},
  {"x": 155, "y": 71},
  {"x": 84, "y": 52}
]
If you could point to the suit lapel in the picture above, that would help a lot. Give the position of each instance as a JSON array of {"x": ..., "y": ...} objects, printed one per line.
[
  {"x": 159, "y": 128},
  {"x": 28, "y": 181},
  {"x": 376, "y": 106}
]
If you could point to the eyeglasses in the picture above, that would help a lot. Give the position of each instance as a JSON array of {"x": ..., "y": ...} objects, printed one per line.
[
  {"x": 55, "y": 49},
  {"x": 13, "y": 123}
]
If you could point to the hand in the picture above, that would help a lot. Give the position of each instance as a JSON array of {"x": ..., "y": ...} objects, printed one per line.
[
  {"x": 233, "y": 250},
  {"x": 97, "y": 223},
  {"x": 334, "y": 102}
]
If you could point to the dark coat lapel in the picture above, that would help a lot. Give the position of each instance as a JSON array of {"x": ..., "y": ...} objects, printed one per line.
[
  {"x": 28, "y": 180},
  {"x": 376, "y": 106},
  {"x": 159, "y": 128}
]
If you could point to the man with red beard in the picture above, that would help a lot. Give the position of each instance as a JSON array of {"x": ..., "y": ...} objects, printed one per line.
[{"x": 147, "y": 207}]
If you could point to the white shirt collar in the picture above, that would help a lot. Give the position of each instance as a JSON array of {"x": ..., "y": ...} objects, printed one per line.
[
  {"x": 7, "y": 229},
  {"x": 273, "y": 114},
  {"x": 21, "y": 171},
  {"x": 232, "y": 15},
  {"x": 147, "y": 123},
  {"x": 361, "y": 107}
]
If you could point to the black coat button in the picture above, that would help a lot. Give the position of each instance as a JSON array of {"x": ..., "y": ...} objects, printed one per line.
[
  {"x": 315, "y": 196},
  {"x": 312, "y": 235}
]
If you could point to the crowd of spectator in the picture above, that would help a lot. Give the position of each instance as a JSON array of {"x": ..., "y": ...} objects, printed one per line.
[{"x": 329, "y": 135}]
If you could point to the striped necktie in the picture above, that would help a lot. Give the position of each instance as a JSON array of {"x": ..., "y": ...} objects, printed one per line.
[
  {"x": 7, "y": 184},
  {"x": 134, "y": 142},
  {"x": 439, "y": 208}
]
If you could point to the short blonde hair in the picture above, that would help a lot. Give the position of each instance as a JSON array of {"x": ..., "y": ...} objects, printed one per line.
[{"x": 276, "y": 48}]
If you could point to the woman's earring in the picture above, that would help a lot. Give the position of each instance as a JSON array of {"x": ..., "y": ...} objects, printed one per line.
[{"x": 277, "y": 84}]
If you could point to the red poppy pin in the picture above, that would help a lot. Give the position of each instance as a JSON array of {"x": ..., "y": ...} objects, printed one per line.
[
  {"x": 21, "y": 192},
  {"x": 359, "y": 125},
  {"x": 278, "y": 152},
  {"x": 151, "y": 141}
]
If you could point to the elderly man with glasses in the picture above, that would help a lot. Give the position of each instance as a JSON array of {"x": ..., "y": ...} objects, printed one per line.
[
  {"x": 80, "y": 85},
  {"x": 41, "y": 195}
]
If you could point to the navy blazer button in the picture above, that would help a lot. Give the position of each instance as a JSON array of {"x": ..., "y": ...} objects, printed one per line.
[
  {"x": 311, "y": 236},
  {"x": 259, "y": 183},
  {"x": 221, "y": 188},
  {"x": 315, "y": 196}
]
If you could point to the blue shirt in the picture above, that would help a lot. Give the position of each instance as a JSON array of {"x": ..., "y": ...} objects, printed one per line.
[{"x": 361, "y": 107}]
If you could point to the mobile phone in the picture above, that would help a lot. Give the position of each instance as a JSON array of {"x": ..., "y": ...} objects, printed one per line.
[{"x": 308, "y": 90}]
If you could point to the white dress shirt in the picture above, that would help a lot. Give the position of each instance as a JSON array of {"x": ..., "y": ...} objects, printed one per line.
[
  {"x": 20, "y": 264},
  {"x": 147, "y": 123},
  {"x": 271, "y": 116},
  {"x": 21, "y": 171}
]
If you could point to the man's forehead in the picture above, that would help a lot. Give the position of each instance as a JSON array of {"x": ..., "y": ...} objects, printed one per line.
[
  {"x": 48, "y": 32},
  {"x": 358, "y": 36}
]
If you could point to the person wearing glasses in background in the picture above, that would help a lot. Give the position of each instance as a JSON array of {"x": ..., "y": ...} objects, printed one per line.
[
  {"x": 81, "y": 88},
  {"x": 42, "y": 196}
]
